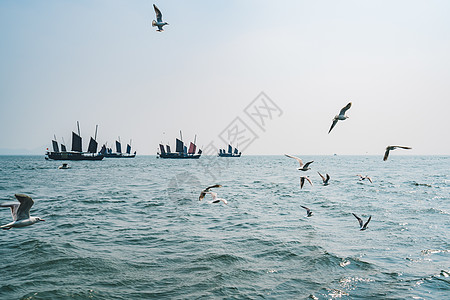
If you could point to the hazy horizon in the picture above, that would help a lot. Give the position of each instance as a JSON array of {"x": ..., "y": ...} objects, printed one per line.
[{"x": 102, "y": 63}]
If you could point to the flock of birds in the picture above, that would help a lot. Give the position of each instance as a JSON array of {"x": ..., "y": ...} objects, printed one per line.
[
  {"x": 306, "y": 166},
  {"x": 21, "y": 211}
]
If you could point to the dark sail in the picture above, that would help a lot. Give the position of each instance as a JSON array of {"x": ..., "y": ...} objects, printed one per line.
[
  {"x": 168, "y": 149},
  {"x": 180, "y": 146},
  {"x": 235, "y": 151},
  {"x": 200, "y": 151},
  {"x": 103, "y": 150},
  {"x": 118, "y": 147},
  {"x": 55, "y": 146},
  {"x": 192, "y": 148},
  {"x": 92, "y": 146},
  {"x": 76, "y": 142},
  {"x": 230, "y": 149},
  {"x": 63, "y": 148},
  {"x": 128, "y": 149},
  {"x": 161, "y": 147},
  {"x": 184, "y": 149}
]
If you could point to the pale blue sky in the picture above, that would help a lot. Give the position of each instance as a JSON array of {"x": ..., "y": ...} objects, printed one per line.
[{"x": 101, "y": 62}]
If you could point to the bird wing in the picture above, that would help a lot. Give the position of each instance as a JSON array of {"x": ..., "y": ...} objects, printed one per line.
[
  {"x": 365, "y": 225},
  {"x": 345, "y": 108},
  {"x": 302, "y": 181},
  {"x": 323, "y": 178},
  {"x": 213, "y": 186},
  {"x": 13, "y": 207},
  {"x": 158, "y": 14},
  {"x": 370, "y": 179},
  {"x": 335, "y": 120},
  {"x": 386, "y": 154},
  {"x": 297, "y": 159},
  {"x": 403, "y": 147},
  {"x": 202, "y": 195},
  {"x": 23, "y": 211},
  {"x": 309, "y": 180},
  {"x": 307, "y": 209},
  {"x": 308, "y": 163},
  {"x": 214, "y": 195},
  {"x": 328, "y": 178},
  {"x": 359, "y": 220}
]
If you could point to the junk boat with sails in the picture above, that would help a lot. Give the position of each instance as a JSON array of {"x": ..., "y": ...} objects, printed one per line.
[
  {"x": 181, "y": 151},
  {"x": 107, "y": 152},
  {"x": 229, "y": 153},
  {"x": 76, "y": 153}
]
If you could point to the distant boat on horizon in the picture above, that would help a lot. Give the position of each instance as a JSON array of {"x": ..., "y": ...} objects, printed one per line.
[
  {"x": 76, "y": 153},
  {"x": 229, "y": 153},
  {"x": 181, "y": 151},
  {"x": 107, "y": 152}
]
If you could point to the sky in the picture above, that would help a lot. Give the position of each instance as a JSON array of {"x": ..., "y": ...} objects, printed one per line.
[{"x": 216, "y": 64}]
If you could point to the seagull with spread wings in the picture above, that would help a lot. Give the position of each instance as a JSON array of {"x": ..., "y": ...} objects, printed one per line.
[
  {"x": 20, "y": 212},
  {"x": 303, "y": 167},
  {"x": 364, "y": 177},
  {"x": 324, "y": 179},
  {"x": 207, "y": 190},
  {"x": 363, "y": 226},
  {"x": 308, "y": 211},
  {"x": 302, "y": 181},
  {"x": 389, "y": 148},
  {"x": 159, "y": 22},
  {"x": 341, "y": 116}
]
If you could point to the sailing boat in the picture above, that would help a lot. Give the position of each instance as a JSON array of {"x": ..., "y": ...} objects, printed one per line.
[
  {"x": 181, "y": 150},
  {"x": 229, "y": 153},
  {"x": 76, "y": 153},
  {"x": 107, "y": 152}
]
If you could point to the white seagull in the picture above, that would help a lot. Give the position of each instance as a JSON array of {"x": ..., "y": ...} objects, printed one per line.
[
  {"x": 389, "y": 148},
  {"x": 159, "y": 22},
  {"x": 215, "y": 199},
  {"x": 302, "y": 181},
  {"x": 20, "y": 212},
  {"x": 308, "y": 211},
  {"x": 325, "y": 180},
  {"x": 361, "y": 225},
  {"x": 364, "y": 177},
  {"x": 341, "y": 116},
  {"x": 208, "y": 189},
  {"x": 303, "y": 167}
]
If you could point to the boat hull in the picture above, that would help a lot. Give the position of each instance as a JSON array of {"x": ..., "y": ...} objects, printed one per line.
[
  {"x": 114, "y": 155},
  {"x": 229, "y": 155},
  {"x": 179, "y": 156},
  {"x": 73, "y": 156}
]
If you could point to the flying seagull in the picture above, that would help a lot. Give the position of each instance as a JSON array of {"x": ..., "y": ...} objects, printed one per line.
[
  {"x": 362, "y": 227},
  {"x": 215, "y": 199},
  {"x": 207, "y": 190},
  {"x": 159, "y": 22},
  {"x": 325, "y": 180},
  {"x": 389, "y": 148},
  {"x": 20, "y": 212},
  {"x": 364, "y": 177},
  {"x": 341, "y": 116},
  {"x": 302, "y": 181},
  {"x": 303, "y": 167},
  {"x": 308, "y": 211}
]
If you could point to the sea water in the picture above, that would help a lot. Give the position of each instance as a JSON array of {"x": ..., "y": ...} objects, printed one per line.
[{"x": 135, "y": 229}]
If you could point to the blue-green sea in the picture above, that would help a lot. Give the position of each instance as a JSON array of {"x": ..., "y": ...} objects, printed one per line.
[{"x": 135, "y": 229}]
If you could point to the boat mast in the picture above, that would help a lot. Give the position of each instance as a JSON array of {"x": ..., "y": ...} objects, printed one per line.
[
  {"x": 181, "y": 136},
  {"x": 96, "y": 127},
  {"x": 78, "y": 125}
]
